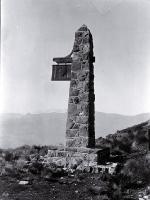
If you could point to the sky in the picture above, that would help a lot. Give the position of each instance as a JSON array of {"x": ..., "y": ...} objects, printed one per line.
[{"x": 35, "y": 31}]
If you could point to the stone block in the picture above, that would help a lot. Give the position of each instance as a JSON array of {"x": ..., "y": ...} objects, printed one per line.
[
  {"x": 83, "y": 130},
  {"x": 79, "y": 154},
  {"x": 87, "y": 150},
  {"x": 73, "y": 75},
  {"x": 80, "y": 85},
  {"x": 72, "y": 109},
  {"x": 93, "y": 157},
  {"x": 81, "y": 48},
  {"x": 86, "y": 48},
  {"x": 78, "y": 35},
  {"x": 83, "y": 76},
  {"x": 62, "y": 153},
  {"x": 86, "y": 86},
  {"x": 70, "y": 142},
  {"x": 85, "y": 39},
  {"x": 72, "y": 117},
  {"x": 84, "y": 97},
  {"x": 76, "y": 126},
  {"x": 72, "y": 133},
  {"x": 52, "y": 153},
  {"x": 85, "y": 65},
  {"x": 73, "y": 83},
  {"x": 76, "y": 57},
  {"x": 85, "y": 157},
  {"x": 52, "y": 147},
  {"x": 77, "y": 142},
  {"x": 76, "y": 66},
  {"x": 61, "y": 148},
  {"x": 49, "y": 160},
  {"x": 61, "y": 162},
  {"x": 74, "y": 92},
  {"x": 82, "y": 119},
  {"x": 71, "y": 149},
  {"x": 71, "y": 99},
  {"x": 84, "y": 29},
  {"x": 85, "y": 57},
  {"x": 76, "y": 100},
  {"x": 74, "y": 162},
  {"x": 70, "y": 123},
  {"x": 85, "y": 109},
  {"x": 76, "y": 47},
  {"x": 83, "y": 150}
]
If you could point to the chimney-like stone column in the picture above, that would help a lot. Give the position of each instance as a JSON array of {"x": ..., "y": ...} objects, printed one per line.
[{"x": 80, "y": 130}]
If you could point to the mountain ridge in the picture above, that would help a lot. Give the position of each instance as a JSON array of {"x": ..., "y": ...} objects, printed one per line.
[{"x": 49, "y": 128}]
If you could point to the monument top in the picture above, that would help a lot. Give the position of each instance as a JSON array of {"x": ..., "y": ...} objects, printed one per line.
[{"x": 83, "y": 28}]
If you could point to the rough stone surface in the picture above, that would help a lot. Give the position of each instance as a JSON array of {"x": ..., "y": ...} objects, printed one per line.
[
  {"x": 80, "y": 123},
  {"x": 80, "y": 158},
  {"x": 78, "y": 68}
]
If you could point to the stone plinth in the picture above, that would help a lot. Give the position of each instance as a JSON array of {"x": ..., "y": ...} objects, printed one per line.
[
  {"x": 70, "y": 157},
  {"x": 80, "y": 123}
]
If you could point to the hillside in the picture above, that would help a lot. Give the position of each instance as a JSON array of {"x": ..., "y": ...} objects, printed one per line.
[{"x": 49, "y": 128}]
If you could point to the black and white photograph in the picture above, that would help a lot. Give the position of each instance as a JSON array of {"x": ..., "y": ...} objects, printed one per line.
[{"x": 75, "y": 100}]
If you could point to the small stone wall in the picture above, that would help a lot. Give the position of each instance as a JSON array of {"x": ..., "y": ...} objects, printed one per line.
[
  {"x": 77, "y": 158},
  {"x": 72, "y": 158},
  {"x": 80, "y": 123}
]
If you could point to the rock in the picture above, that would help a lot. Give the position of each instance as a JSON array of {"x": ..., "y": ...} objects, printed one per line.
[
  {"x": 72, "y": 133},
  {"x": 63, "y": 181},
  {"x": 23, "y": 182},
  {"x": 5, "y": 194},
  {"x": 146, "y": 197},
  {"x": 95, "y": 190},
  {"x": 51, "y": 179},
  {"x": 28, "y": 178},
  {"x": 9, "y": 168},
  {"x": 61, "y": 162},
  {"x": 98, "y": 190},
  {"x": 103, "y": 197}
]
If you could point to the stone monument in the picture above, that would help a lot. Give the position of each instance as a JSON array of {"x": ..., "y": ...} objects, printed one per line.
[{"x": 78, "y": 69}]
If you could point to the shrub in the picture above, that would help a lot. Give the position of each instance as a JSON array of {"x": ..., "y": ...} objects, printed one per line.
[
  {"x": 137, "y": 171},
  {"x": 8, "y": 156},
  {"x": 141, "y": 137}
]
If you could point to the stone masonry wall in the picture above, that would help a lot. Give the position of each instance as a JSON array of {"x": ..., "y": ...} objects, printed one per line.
[{"x": 80, "y": 123}]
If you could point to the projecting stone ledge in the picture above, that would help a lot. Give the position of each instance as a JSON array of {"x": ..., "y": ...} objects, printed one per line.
[
  {"x": 63, "y": 60},
  {"x": 74, "y": 149}
]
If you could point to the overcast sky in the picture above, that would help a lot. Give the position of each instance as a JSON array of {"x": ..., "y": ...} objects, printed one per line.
[{"x": 35, "y": 31}]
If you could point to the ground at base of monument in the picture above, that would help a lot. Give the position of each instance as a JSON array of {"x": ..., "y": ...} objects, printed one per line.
[
  {"x": 72, "y": 187},
  {"x": 75, "y": 186},
  {"x": 83, "y": 186}
]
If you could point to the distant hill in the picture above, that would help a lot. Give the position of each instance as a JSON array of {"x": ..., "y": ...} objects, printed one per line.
[
  {"x": 49, "y": 128},
  {"x": 133, "y": 139}
]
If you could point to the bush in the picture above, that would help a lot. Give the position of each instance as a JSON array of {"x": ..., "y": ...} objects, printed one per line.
[
  {"x": 20, "y": 164},
  {"x": 8, "y": 156},
  {"x": 141, "y": 137},
  {"x": 137, "y": 171}
]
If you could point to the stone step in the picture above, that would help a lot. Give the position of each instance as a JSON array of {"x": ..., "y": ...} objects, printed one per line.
[
  {"x": 58, "y": 153},
  {"x": 74, "y": 149}
]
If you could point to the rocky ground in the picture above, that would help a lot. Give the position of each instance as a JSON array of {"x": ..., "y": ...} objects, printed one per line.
[
  {"x": 72, "y": 186},
  {"x": 24, "y": 176},
  {"x": 83, "y": 186}
]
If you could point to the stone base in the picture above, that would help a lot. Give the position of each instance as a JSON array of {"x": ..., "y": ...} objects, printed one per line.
[
  {"x": 77, "y": 158},
  {"x": 72, "y": 157}
]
